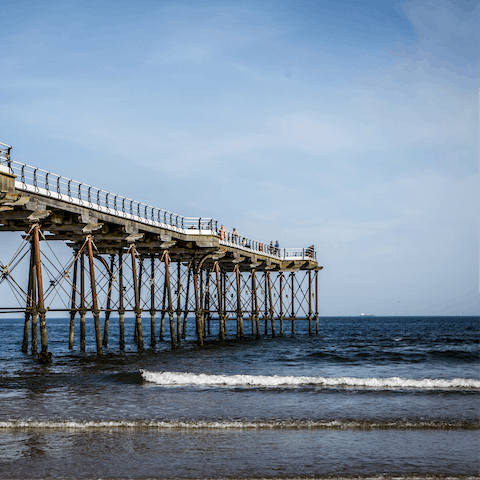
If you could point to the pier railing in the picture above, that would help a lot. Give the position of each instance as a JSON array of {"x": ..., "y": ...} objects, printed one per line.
[
  {"x": 52, "y": 185},
  {"x": 42, "y": 182}
]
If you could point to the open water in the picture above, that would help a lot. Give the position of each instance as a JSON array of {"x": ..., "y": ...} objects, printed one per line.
[{"x": 366, "y": 397}]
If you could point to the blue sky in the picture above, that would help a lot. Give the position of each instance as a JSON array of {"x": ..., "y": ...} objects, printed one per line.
[{"x": 349, "y": 125}]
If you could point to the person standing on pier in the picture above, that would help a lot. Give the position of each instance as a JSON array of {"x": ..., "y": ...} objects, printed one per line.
[{"x": 223, "y": 231}]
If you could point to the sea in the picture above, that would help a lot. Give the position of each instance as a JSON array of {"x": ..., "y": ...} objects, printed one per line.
[{"x": 366, "y": 397}]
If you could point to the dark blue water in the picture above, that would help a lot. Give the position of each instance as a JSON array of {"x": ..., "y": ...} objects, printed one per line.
[{"x": 367, "y": 396}]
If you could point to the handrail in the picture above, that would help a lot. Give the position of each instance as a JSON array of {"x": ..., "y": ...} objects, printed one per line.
[{"x": 36, "y": 180}]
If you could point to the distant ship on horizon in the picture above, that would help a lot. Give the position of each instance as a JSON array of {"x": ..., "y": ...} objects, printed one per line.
[{"x": 367, "y": 315}]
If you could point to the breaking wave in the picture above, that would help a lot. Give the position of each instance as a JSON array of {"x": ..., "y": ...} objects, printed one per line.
[
  {"x": 202, "y": 379},
  {"x": 239, "y": 424}
]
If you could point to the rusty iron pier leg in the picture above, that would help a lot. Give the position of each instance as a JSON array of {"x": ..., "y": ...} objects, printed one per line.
[
  {"x": 265, "y": 290},
  {"x": 121, "y": 309},
  {"x": 205, "y": 304},
  {"x": 185, "y": 311},
  {"x": 197, "y": 306},
  {"x": 310, "y": 302},
  {"x": 138, "y": 310},
  {"x": 164, "y": 304},
  {"x": 316, "y": 302},
  {"x": 44, "y": 356},
  {"x": 221, "y": 330},
  {"x": 254, "y": 289},
  {"x": 83, "y": 309},
  {"x": 109, "y": 301},
  {"x": 34, "y": 310},
  {"x": 281, "y": 304},
  {"x": 252, "y": 312},
  {"x": 73, "y": 309},
  {"x": 153, "y": 339},
  {"x": 239, "y": 305},
  {"x": 96, "y": 311},
  {"x": 272, "y": 317},
  {"x": 179, "y": 307},
  {"x": 170, "y": 303},
  {"x": 28, "y": 306},
  {"x": 292, "y": 276},
  {"x": 224, "y": 296}
]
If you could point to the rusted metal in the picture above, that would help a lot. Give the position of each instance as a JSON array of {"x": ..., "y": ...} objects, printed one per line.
[
  {"x": 164, "y": 305},
  {"x": 272, "y": 316},
  {"x": 310, "y": 302},
  {"x": 179, "y": 307},
  {"x": 108, "y": 310},
  {"x": 29, "y": 305},
  {"x": 153, "y": 338},
  {"x": 73, "y": 304},
  {"x": 281, "y": 304},
  {"x": 170, "y": 304},
  {"x": 316, "y": 301},
  {"x": 121, "y": 308},
  {"x": 197, "y": 306},
  {"x": 292, "y": 276},
  {"x": 95, "y": 310},
  {"x": 138, "y": 310},
  {"x": 255, "y": 303},
  {"x": 219, "y": 297},
  {"x": 186, "y": 309},
  {"x": 206, "y": 306},
  {"x": 44, "y": 356},
  {"x": 82, "y": 309},
  {"x": 239, "y": 305}
]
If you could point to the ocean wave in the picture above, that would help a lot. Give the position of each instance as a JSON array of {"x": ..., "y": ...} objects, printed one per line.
[
  {"x": 202, "y": 379},
  {"x": 238, "y": 424}
]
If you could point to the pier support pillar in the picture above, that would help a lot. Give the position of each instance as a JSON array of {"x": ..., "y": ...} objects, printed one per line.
[
  {"x": 136, "y": 291},
  {"x": 44, "y": 356},
  {"x": 96, "y": 311},
  {"x": 153, "y": 338},
  {"x": 170, "y": 303},
  {"x": 316, "y": 302},
  {"x": 281, "y": 304},
  {"x": 179, "y": 308},
  {"x": 29, "y": 304},
  {"x": 121, "y": 309},
  {"x": 221, "y": 330},
  {"x": 197, "y": 306},
  {"x": 109, "y": 300},
  {"x": 310, "y": 302},
  {"x": 73, "y": 305},
  {"x": 292, "y": 277},
  {"x": 239, "y": 305},
  {"x": 187, "y": 296},
  {"x": 255, "y": 303},
  {"x": 272, "y": 317}
]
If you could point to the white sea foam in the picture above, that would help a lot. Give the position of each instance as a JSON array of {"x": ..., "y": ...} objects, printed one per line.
[
  {"x": 234, "y": 424},
  {"x": 202, "y": 379}
]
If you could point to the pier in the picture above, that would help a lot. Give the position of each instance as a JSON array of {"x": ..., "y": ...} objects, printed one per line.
[{"x": 128, "y": 257}]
